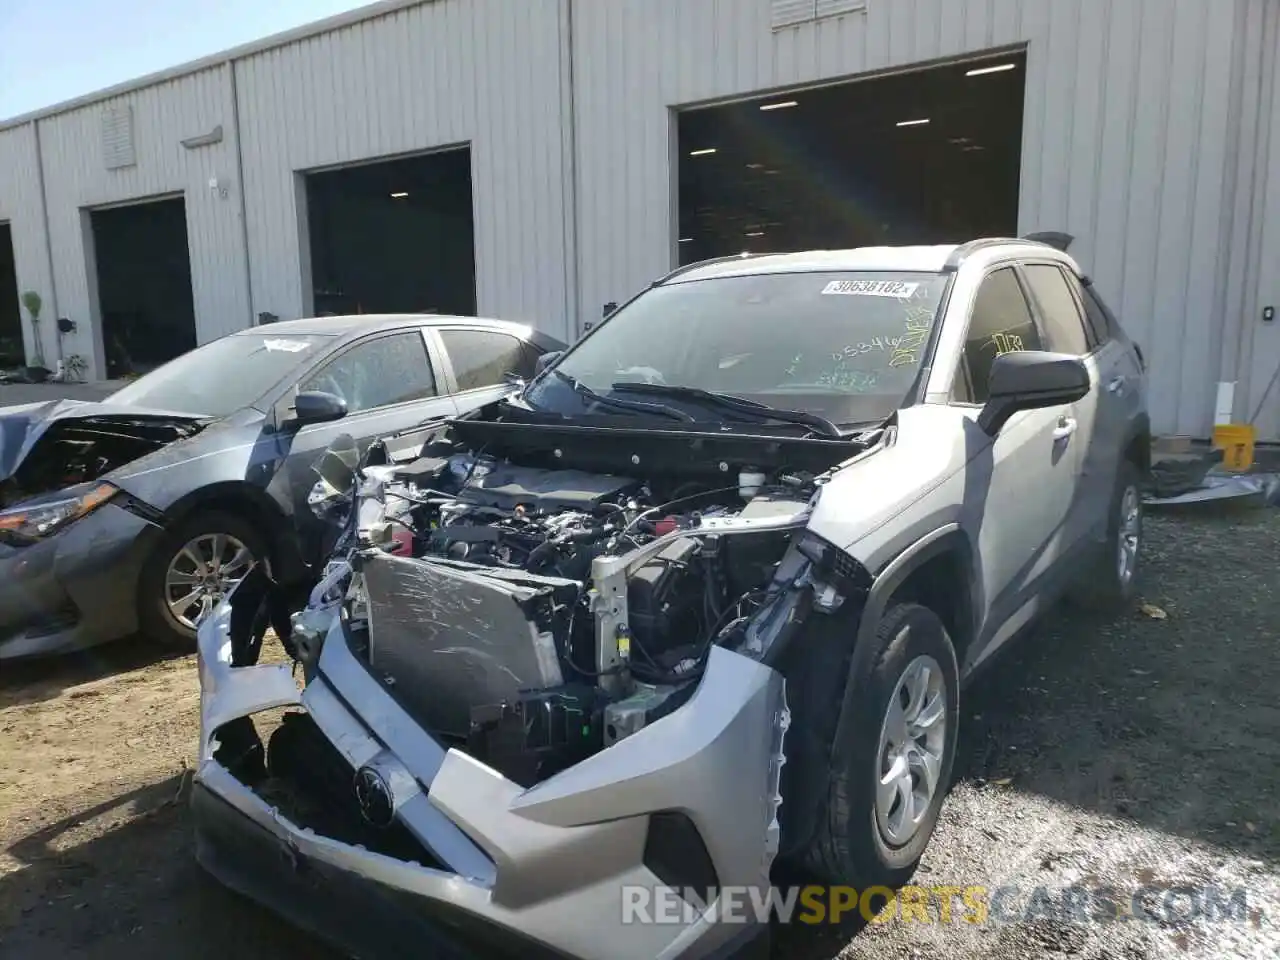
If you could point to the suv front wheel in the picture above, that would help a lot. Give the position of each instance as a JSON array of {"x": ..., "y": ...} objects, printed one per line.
[{"x": 894, "y": 749}]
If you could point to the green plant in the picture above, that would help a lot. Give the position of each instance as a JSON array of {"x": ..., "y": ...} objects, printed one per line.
[{"x": 32, "y": 301}]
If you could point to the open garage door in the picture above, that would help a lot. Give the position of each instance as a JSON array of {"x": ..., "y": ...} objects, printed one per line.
[
  {"x": 930, "y": 156},
  {"x": 144, "y": 284},
  {"x": 394, "y": 236},
  {"x": 11, "y": 354}
]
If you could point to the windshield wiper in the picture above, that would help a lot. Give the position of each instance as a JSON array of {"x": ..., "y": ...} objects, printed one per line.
[
  {"x": 661, "y": 409},
  {"x": 727, "y": 401}
]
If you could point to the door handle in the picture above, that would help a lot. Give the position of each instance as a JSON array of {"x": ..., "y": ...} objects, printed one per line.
[
  {"x": 1065, "y": 428},
  {"x": 1116, "y": 386}
]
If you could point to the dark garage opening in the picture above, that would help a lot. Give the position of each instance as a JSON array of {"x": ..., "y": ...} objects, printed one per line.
[
  {"x": 11, "y": 354},
  {"x": 144, "y": 284},
  {"x": 930, "y": 156},
  {"x": 394, "y": 237}
]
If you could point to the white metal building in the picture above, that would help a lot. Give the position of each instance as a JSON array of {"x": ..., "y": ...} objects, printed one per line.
[{"x": 1148, "y": 129}]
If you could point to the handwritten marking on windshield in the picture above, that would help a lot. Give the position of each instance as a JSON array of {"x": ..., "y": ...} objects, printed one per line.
[
  {"x": 919, "y": 321},
  {"x": 853, "y": 380},
  {"x": 857, "y": 349}
]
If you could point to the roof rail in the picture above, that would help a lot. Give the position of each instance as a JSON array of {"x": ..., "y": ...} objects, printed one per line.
[
  {"x": 678, "y": 271},
  {"x": 959, "y": 254}
]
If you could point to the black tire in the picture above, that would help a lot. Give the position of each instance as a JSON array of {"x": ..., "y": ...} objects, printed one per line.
[
  {"x": 844, "y": 843},
  {"x": 155, "y": 619},
  {"x": 1102, "y": 588}
]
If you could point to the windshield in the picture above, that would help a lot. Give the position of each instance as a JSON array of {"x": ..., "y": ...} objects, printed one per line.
[
  {"x": 222, "y": 376},
  {"x": 844, "y": 346}
]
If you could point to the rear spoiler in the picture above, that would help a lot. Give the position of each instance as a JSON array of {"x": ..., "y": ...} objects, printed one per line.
[{"x": 1059, "y": 241}]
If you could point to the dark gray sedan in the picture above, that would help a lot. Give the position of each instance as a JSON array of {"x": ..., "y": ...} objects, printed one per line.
[{"x": 141, "y": 511}]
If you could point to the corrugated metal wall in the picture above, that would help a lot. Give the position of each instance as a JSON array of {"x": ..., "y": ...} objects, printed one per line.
[
  {"x": 1150, "y": 134},
  {"x": 77, "y": 179},
  {"x": 1251, "y": 346},
  {"x": 20, "y": 207},
  {"x": 1126, "y": 142},
  {"x": 487, "y": 73}
]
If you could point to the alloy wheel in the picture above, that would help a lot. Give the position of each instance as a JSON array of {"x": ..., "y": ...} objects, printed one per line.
[
  {"x": 1130, "y": 536},
  {"x": 202, "y": 573},
  {"x": 913, "y": 740}
]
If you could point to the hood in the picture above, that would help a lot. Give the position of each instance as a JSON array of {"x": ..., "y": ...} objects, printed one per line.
[{"x": 97, "y": 436}]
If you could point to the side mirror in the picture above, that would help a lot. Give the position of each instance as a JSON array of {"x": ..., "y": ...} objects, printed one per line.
[
  {"x": 1031, "y": 380},
  {"x": 546, "y": 360},
  {"x": 315, "y": 406}
]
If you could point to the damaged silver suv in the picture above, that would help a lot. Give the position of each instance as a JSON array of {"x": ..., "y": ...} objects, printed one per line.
[{"x": 695, "y": 603}]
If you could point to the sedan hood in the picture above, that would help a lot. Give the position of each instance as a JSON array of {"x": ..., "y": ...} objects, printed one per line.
[{"x": 45, "y": 446}]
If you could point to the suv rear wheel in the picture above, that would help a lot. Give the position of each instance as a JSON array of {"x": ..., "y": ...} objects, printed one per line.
[
  {"x": 885, "y": 785},
  {"x": 1113, "y": 583}
]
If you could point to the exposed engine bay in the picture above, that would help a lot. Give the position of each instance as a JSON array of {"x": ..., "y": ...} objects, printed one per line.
[
  {"x": 534, "y": 615},
  {"x": 80, "y": 450}
]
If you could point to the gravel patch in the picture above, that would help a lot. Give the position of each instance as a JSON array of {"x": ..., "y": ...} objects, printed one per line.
[{"x": 1133, "y": 756}]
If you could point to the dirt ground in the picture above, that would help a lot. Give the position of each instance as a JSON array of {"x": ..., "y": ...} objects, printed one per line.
[{"x": 1141, "y": 752}]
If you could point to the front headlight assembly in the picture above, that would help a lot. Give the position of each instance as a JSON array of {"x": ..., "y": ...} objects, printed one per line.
[
  {"x": 833, "y": 565},
  {"x": 29, "y": 523}
]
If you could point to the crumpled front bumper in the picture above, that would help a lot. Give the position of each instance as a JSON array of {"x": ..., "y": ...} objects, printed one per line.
[
  {"x": 75, "y": 589},
  {"x": 545, "y": 870}
]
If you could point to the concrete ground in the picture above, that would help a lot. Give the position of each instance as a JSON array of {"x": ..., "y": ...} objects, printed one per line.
[
  {"x": 1138, "y": 754},
  {"x": 13, "y": 393}
]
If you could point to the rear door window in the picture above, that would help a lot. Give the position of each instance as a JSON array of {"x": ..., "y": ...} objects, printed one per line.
[
  {"x": 1098, "y": 315},
  {"x": 483, "y": 358},
  {"x": 1059, "y": 309}
]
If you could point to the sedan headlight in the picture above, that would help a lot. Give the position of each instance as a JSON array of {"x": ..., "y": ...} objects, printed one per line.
[{"x": 27, "y": 524}]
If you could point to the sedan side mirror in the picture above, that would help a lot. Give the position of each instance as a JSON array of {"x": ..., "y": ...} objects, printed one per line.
[
  {"x": 1031, "y": 380},
  {"x": 546, "y": 360},
  {"x": 316, "y": 406}
]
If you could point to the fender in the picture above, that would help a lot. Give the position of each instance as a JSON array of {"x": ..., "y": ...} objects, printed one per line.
[
  {"x": 257, "y": 506},
  {"x": 949, "y": 537},
  {"x": 1139, "y": 429}
]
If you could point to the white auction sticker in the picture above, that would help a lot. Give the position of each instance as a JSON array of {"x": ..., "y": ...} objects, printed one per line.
[
  {"x": 289, "y": 346},
  {"x": 871, "y": 288}
]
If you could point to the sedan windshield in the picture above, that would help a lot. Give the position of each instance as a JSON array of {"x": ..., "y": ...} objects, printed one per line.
[
  {"x": 222, "y": 376},
  {"x": 842, "y": 346}
]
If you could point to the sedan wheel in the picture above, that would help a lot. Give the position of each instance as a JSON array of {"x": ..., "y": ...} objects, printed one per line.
[
  {"x": 202, "y": 573},
  {"x": 192, "y": 569}
]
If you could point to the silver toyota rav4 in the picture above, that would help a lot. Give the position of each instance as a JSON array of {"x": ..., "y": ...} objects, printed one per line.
[{"x": 693, "y": 604}]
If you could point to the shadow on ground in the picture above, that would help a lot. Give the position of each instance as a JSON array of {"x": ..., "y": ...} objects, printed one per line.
[
  {"x": 132, "y": 890},
  {"x": 32, "y": 681},
  {"x": 1165, "y": 715}
]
